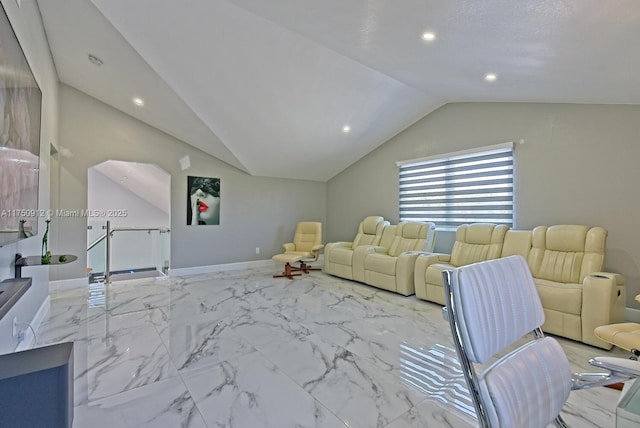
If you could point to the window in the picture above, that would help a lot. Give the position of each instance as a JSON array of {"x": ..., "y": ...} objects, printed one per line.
[{"x": 473, "y": 186}]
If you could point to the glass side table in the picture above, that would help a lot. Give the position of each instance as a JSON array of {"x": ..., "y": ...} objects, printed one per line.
[{"x": 628, "y": 410}]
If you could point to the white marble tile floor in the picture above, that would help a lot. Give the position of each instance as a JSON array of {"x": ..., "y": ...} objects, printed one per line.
[{"x": 240, "y": 349}]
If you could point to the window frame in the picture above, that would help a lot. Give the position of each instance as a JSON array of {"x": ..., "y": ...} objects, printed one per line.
[{"x": 452, "y": 176}]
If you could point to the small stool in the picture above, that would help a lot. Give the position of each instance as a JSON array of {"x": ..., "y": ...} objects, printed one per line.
[{"x": 288, "y": 269}]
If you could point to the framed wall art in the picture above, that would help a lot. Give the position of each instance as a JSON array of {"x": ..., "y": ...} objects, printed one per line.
[{"x": 203, "y": 205}]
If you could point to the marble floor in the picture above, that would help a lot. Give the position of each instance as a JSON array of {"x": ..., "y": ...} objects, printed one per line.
[{"x": 242, "y": 349}]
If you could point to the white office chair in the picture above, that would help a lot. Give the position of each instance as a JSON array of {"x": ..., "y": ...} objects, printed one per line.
[{"x": 491, "y": 306}]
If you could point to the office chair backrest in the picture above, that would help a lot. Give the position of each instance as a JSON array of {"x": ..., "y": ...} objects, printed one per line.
[{"x": 491, "y": 306}]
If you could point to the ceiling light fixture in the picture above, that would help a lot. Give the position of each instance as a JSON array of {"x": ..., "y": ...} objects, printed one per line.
[
  {"x": 95, "y": 60},
  {"x": 346, "y": 129},
  {"x": 428, "y": 36},
  {"x": 138, "y": 101},
  {"x": 490, "y": 77}
]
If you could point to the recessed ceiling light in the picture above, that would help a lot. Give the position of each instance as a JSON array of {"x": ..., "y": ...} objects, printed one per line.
[
  {"x": 346, "y": 129},
  {"x": 138, "y": 101},
  {"x": 490, "y": 77},
  {"x": 428, "y": 36},
  {"x": 95, "y": 60}
]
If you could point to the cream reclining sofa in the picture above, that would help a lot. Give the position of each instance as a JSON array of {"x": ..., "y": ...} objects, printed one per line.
[
  {"x": 474, "y": 243},
  {"x": 566, "y": 262},
  {"x": 387, "y": 263},
  {"x": 338, "y": 256},
  {"x": 391, "y": 266}
]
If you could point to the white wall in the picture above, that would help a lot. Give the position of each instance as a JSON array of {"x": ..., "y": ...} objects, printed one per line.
[
  {"x": 578, "y": 165},
  {"x": 104, "y": 194},
  {"x": 28, "y": 27},
  {"x": 255, "y": 211}
]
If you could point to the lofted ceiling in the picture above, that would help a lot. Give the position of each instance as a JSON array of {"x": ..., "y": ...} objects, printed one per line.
[{"x": 268, "y": 85}]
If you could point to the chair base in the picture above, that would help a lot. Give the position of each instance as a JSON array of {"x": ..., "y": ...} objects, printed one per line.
[
  {"x": 306, "y": 268},
  {"x": 288, "y": 272}
]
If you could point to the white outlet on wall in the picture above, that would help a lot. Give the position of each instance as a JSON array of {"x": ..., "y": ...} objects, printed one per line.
[{"x": 257, "y": 250}]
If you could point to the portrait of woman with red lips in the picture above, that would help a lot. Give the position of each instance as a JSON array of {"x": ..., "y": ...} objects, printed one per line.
[{"x": 203, "y": 206}]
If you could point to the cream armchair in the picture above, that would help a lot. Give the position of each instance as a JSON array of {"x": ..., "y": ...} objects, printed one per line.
[
  {"x": 474, "y": 243},
  {"x": 338, "y": 256},
  {"x": 305, "y": 248},
  {"x": 566, "y": 263},
  {"x": 392, "y": 267}
]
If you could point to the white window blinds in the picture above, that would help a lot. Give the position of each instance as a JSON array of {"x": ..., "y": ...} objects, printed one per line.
[{"x": 474, "y": 186}]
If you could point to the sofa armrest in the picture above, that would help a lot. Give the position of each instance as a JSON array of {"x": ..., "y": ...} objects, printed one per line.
[
  {"x": 603, "y": 303},
  {"x": 339, "y": 244},
  {"x": 289, "y": 246},
  {"x": 619, "y": 279},
  {"x": 420, "y": 269},
  {"x": 405, "y": 267},
  {"x": 317, "y": 248},
  {"x": 427, "y": 259},
  {"x": 329, "y": 252}
]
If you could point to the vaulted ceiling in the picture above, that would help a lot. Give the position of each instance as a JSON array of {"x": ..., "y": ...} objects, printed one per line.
[{"x": 268, "y": 86}]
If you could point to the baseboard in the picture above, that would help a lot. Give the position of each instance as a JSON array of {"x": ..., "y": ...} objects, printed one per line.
[
  {"x": 632, "y": 315},
  {"x": 29, "y": 338},
  {"x": 66, "y": 284},
  {"x": 220, "y": 268}
]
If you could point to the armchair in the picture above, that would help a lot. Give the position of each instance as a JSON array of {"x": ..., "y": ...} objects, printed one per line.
[
  {"x": 305, "y": 248},
  {"x": 474, "y": 243},
  {"x": 566, "y": 262},
  {"x": 490, "y": 307},
  {"x": 338, "y": 256}
]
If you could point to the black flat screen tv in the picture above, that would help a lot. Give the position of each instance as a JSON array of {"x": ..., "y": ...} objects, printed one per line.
[{"x": 20, "y": 111}]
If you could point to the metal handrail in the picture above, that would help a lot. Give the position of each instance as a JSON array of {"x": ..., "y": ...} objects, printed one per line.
[
  {"x": 127, "y": 229},
  {"x": 147, "y": 229},
  {"x": 109, "y": 234},
  {"x": 97, "y": 241}
]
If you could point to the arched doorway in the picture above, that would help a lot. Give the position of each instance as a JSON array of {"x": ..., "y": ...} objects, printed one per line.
[{"x": 135, "y": 198}]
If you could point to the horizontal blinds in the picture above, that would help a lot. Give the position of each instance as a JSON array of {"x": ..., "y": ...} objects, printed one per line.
[{"x": 459, "y": 188}]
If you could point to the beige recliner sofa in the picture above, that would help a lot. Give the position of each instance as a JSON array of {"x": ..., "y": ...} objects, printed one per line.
[
  {"x": 338, "y": 256},
  {"x": 474, "y": 243},
  {"x": 566, "y": 263},
  {"x": 392, "y": 267},
  {"x": 390, "y": 263}
]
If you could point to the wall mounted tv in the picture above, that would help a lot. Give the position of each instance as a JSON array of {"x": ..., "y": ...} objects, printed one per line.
[{"x": 20, "y": 109}]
